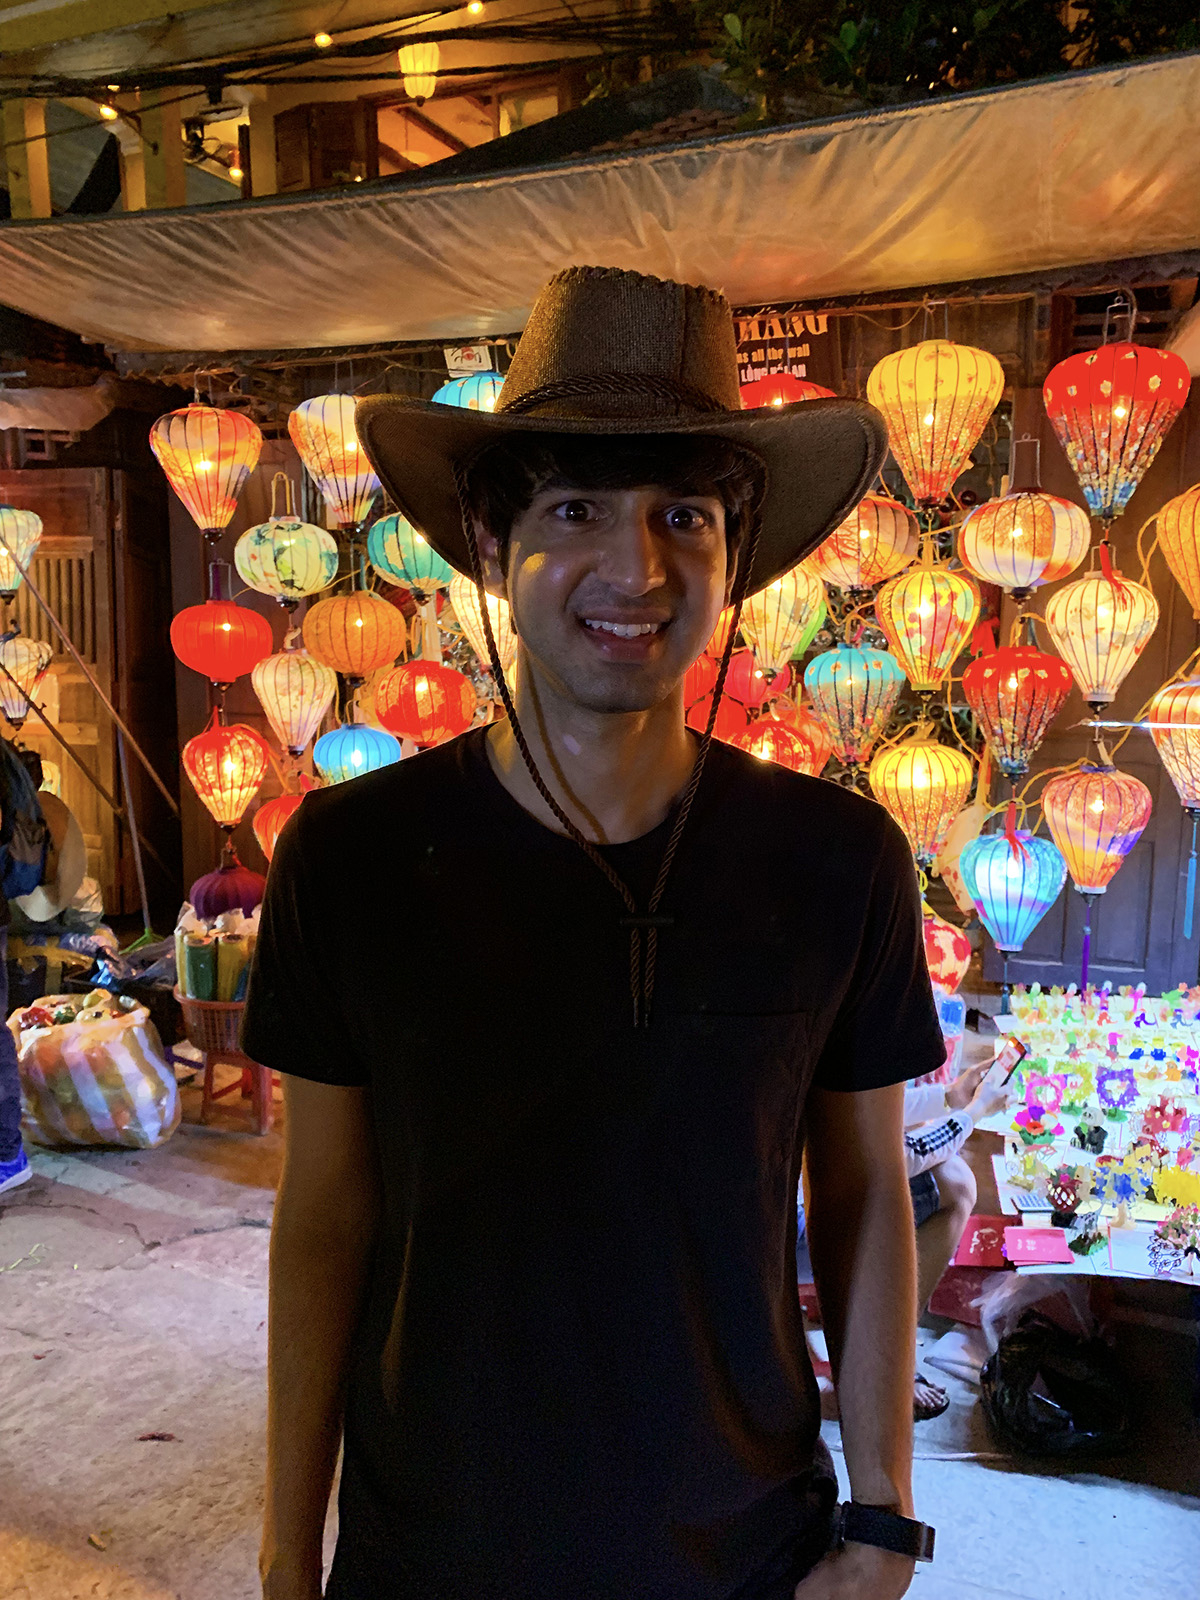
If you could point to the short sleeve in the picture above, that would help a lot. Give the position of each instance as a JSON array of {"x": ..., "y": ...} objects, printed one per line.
[
  {"x": 294, "y": 1020},
  {"x": 886, "y": 1029}
]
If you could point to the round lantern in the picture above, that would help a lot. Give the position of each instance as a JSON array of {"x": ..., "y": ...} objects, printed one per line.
[
  {"x": 853, "y": 692},
  {"x": 322, "y": 429},
  {"x": 781, "y": 620},
  {"x": 780, "y": 389},
  {"x": 295, "y": 691},
  {"x": 877, "y": 540},
  {"x": 1013, "y": 878},
  {"x": 287, "y": 559},
  {"x": 207, "y": 454},
  {"x": 732, "y": 719},
  {"x": 923, "y": 785},
  {"x": 20, "y": 534},
  {"x": 699, "y": 680},
  {"x": 1012, "y": 541},
  {"x": 803, "y": 745},
  {"x": 226, "y": 765},
  {"x": 745, "y": 681},
  {"x": 1072, "y": 537},
  {"x": 425, "y": 702},
  {"x": 936, "y": 398},
  {"x": 947, "y": 951},
  {"x": 1179, "y": 541},
  {"x": 464, "y": 597},
  {"x": 1100, "y": 625},
  {"x": 220, "y": 639},
  {"x": 1016, "y": 692},
  {"x": 25, "y": 662},
  {"x": 232, "y": 887},
  {"x": 402, "y": 555},
  {"x": 1096, "y": 815},
  {"x": 269, "y": 820},
  {"x": 354, "y": 633},
  {"x": 927, "y": 616},
  {"x": 1111, "y": 409},
  {"x": 478, "y": 391},
  {"x": 353, "y": 749}
]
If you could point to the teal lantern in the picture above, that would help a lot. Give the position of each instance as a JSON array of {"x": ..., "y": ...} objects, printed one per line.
[
  {"x": 1014, "y": 878},
  {"x": 402, "y": 555},
  {"x": 478, "y": 392},
  {"x": 351, "y": 750},
  {"x": 853, "y": 691}
]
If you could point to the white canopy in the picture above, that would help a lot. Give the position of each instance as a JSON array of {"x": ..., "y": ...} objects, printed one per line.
[{"x": 1090, "y": 167}]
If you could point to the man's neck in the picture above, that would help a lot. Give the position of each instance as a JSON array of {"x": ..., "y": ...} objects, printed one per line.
[{"x": 615, "y": 774}]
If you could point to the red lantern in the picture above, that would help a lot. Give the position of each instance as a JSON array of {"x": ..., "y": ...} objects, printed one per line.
[
  {"x": 225, "y": 766},
  {"x": 773, "y": 741},
  {"x": 1016, "y": 692},
  {"x": 716, "y": 645},
  {"x": 425, "y": 702},
  {"x": 746, "y": 682},
  {"x": 699, "y": 679},
  {"x": 780, "y": 389},
  {"x": 731, "y": 718},
  {"x": 221, "y": 640},
  {"x": 270, "y": 818}
]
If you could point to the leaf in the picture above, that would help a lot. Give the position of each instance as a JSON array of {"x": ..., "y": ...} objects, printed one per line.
[
  {"x": 848, "y": 34},
  {"x": 733, "y": 26}
]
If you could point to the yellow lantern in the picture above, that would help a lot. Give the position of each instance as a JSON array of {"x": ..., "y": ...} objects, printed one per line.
[
  {"x": 1100, "y": 625},
  {"x": 1016, "y": 540},
  {"x": 207, "y": 454},
  {"x": 876, "y": 541},
  {"x": 322, "y": 429},
  {"x": 923, "y": 784},
  {"x": 418, "y": 67},
  {"x": 354, "y": 633},
  {"x": 776, "y": 619},
  {"x": 927, "y": 615},
  {"x": 24, "y": 663},
  {"x": 295, "y": 691},
  {"x": 20, "y": 533},
  {"x": 1179, "y": 541},
  {"x": 1174, "y": 718},
  {"x": 464, "y": 597},
  {"x": 936, "y": 398}
]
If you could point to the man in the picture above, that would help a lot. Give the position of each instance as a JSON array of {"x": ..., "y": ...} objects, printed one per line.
[
  {"x": 562, "y": 1004},
  {"x": 23, "y": 860}
]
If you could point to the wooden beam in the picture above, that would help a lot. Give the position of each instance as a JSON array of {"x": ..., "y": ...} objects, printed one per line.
[
  {"x": 26, "y": 158},
  {"x": 435, "y": 131},
  {"x": 162, "y": 141}
]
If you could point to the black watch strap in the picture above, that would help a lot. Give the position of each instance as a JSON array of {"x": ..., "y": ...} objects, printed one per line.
[{"x": 884, "y": 1529}]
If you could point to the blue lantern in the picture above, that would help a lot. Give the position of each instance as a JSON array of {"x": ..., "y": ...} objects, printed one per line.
[
  {"x": 351, "y": 750},
  {"x": 1014, "y": 878},
  {"x": 853, "y": 692},
  {"x": 478, "y": 392},
  {"x": 402, "y": 555}
]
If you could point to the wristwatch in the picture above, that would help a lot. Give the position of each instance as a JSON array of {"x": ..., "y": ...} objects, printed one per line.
[{"x": 882, "y": 1528}]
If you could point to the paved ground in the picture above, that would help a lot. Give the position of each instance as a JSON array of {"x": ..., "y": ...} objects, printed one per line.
[{"x": 132, "y": 1301}]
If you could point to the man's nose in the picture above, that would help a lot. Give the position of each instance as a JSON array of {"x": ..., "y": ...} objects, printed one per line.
[{"x": 632, "y": 559}]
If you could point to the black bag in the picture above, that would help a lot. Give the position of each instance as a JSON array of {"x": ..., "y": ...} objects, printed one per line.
[
  {"x": 23, "y": 833},
  {"x": 1047, "y": 1392}
]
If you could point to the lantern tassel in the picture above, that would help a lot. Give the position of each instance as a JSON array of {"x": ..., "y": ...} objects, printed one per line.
[
  {"x": 1087, "y": 940},
  {"x": 1190, "y": 902},
  {"x": 983, "y": 640},
  {"x": 1120, "y": 591},
  {"x": 1010, "y": 832}
]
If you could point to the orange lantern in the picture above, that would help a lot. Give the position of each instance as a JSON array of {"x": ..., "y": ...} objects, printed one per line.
[
  {"x": 720, "y": 637},
  {"x": 220, "y": 639},
  {"x": 699, "y": 679},
  {"x": 1095, "y": 815},
  {"x": 425, "y": 702},
  {"x": 207, "y": 454},
  {"x": 923, "y": 785},
  {"x": 780, "y": 389},
  {"x": 1016, "y": 540},
  {"x": 270, "y": 818},
  {"x": 225, "y": 766},
  {"x": 295, "y": 691},
  {"x": 1100, "y": 625},
  {"x": 322, "y": 429},
  {"x": 1175, "y": 728},
  {"x": 354, "y": 633},
  {"x": 1016, "y": 692},
  {"x": 802, "y": 743},
  {"x": 732, "y": 718},
  {"x": 877, "y": 540},
  {"x": 927, "y": 615},
  {"x": 936, "y": 398},
  {"x": 464, "y": 597},
  {"x": 781, "y": 620},
  {"x": 1179, "y": 541}
]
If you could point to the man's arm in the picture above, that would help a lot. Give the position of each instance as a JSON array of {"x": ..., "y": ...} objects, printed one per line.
[
  {"x": 321, "y": 1242},
  {"x": 860, "y": 1229}
]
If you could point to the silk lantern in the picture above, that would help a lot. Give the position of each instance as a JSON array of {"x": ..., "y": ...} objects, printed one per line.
[
  {"x": 923, "y": 784},
  {"x": 322, "y": 429},
  {"x": 1072, "y": 537},
  {"x": 803, "y": 746},
  {"x": 877, "y": 540},
  {"x": 936, "y": 398},
  {"x": 1014, "y": 878},
  {"x": 354, "y": 633},
  {"x": 731, "y": 721},
  {"x": 1016, "y": 540},
  {"x": 20, "y": 535},
  {"x": 464, "y": 597},
  {"x": 967, "y": 825},
  {"x": 425, "y": 702},
  {"x": 745, "y": 681},
  {"x": 947, "y": 951},
  {"x": 927, "y": 616},
  {"x": 270, "y": 819},
  {"x": 231, "y": 887},
  {"x": 25, "y": 662},
  {"x": 478, "y": 391},
  {"x": 419, "y": 67},
  {"x": 226, "y": 765},
  {"x": 1179, "y": 541},
  {"x": 1111, "y": 409},
  {"x": 781, "y": 620},
  {"x": 1016, "y": 692},
  {"x": 720, "y": 635},
  {"x": 780, "y": 389},
  {"x": 402, "y": 555},
  {"x": 1174, "y": 718},
  {"x": 853, "y": 692},
  {"x": 207, "y": 453},
  {"x": 51, "y": 778},
  {"x": 699, "y": 680},
  {"x": 1100, "y": 625},
  {"x": 295, "y": 690},
  {"x": 220, "y": 640},
  {"x": 353, "y": 749},
  {"x": 286, "y": 558}
]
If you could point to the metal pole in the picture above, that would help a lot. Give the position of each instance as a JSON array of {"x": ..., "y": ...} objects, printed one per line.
[{"x": 131, "y": 819}]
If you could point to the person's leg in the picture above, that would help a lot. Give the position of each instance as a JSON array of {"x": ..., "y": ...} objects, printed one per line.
[
  {"x": 13, "y": 1166},
  {"x": 938, "y": 1235}
]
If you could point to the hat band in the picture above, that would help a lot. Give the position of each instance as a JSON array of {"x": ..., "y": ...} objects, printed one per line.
[{"x": 641, "y": 384}]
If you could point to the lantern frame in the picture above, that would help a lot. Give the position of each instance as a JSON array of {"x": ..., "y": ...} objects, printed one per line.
[
  {"x": 206, "y": 760},
  {"x": 1015, "y": 693},
  {"x": 323, "y": 431},
  {"x": 781, "y": 621},
  {"x": 20, "y": 678},
  {"x": 923, "y": 785},
  {"x": 295, "y": 691},
  {"x": 355, "y": 633},
  {"x": 874, "y": 542},
  {"x": 1084, "y": 620},
  {"x": 464, "y": 601},
  {"x": 425, "y": 702},
  {"x": 207, "y": 453},
  {"x": 334, "y": 752},
  {"x": 776, "y": 389},
  {"x": 928, "y": 615},
  {"x": 20, "y": 535},
  {"x": 936, "y": 398},
  {"x": 853, "y": 691},
  {"x": 402, "y": 554}
]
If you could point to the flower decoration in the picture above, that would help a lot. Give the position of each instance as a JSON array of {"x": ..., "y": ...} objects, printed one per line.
[
  {"x": 1176, "y": 1243},
  {"x": 1016, "y": 692},
  {"x": 877, "y": 540},
  {"x": 1116, "y": 1088}
]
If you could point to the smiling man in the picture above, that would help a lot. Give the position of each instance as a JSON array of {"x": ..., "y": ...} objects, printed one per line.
[{"x": 564, "y": 1006}]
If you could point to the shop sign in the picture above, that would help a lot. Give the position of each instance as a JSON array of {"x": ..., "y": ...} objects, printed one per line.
[{"x": 803, "y": 343}]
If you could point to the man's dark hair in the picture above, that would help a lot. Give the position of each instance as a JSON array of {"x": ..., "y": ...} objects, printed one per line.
[{"x": 504, "y": 481}]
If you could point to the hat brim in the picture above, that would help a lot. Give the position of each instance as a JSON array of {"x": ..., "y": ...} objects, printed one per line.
[
  {"x": 821, "y": 457},
  {"x": 44, "y": 903}
]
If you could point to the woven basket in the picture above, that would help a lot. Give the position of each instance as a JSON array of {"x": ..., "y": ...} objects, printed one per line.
[{"x": 212, "y": 1025}]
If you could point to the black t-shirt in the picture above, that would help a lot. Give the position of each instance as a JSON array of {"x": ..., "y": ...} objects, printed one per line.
[{"x": 581, "y": 1372}]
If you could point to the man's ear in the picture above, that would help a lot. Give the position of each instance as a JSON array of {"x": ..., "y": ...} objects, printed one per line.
[{"x": 494, "y": 580}]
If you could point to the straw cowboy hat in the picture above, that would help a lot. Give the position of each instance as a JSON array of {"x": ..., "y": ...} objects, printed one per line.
[
  {"x": 606, "y": 351},
  {"x": 66, "y": 863}
]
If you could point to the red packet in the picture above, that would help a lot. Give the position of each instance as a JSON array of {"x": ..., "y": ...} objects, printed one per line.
[
  {"x": 982, "y": 1243},
  {"x": 1037, "y": 1247}
]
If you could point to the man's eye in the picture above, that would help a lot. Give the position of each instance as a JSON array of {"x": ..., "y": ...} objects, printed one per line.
[
  {"x": 686, "y": 519},
  {"x": 573, "y": 510}
]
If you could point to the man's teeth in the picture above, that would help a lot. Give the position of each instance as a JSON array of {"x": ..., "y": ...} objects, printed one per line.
[{"x": 624, "y": 630}]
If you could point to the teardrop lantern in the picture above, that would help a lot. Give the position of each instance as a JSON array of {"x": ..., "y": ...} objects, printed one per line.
[
  {"x": 270, "y": 819},
  {"x": 355, "y": 633},
  {"x": 226, "y": 765},
  {"x": 1111, "y": 409},
  {"x": 25, "y": 662},
  {"x": 402, "y": 555},
  {"x": 746, "y": 682},
  {"x": 295, "y": 690},
  {"x": 1100, "y": 625},
  {"x": 464, "y": 597},
  {"x": 781, "y": 389},
  {"x": 927, "y": 616},
  {"x": 936, "y": 398},
  {"x": 353, "y": 749},
  {"x": 425, "y": 702},
  {"x": 801, "y": 746},
  {"x": 220, "y": 639},
  {"x": 1014, "y": 540},
  {"x": 1179, "y": 540},
  {"x": 923, "y": 784},
  {"x": 284, "y": 557},
  {"x": 877, "y": 540},
  {"x": 732, "y": 720},
  {"x": 1016, "y": 692},
  {"x": 207, "y": 454},
  {"x": 478, "y": 391},
  {"x": 20, "y": 535},
  {"x": 854, "y": 692},
  {"x": 1174, "y": 718},
  {"x": 323, "y": 431},
  {"x": 1014, "y": 878},
  {"x": 782, "y": 620}
]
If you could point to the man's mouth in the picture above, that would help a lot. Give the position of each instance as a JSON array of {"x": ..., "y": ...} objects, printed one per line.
[{"x": 624, "y": 630}]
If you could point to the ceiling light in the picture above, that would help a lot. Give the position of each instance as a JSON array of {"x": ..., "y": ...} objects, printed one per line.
[
  {"x": 236, "y": 173},
  {"x": 475, "y": 7},
  {"x": 109, "y": 113},
  {"x": 322, "y": 40}
]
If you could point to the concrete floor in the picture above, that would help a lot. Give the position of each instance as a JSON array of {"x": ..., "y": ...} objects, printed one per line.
[{"x": 132, "y": 1301}]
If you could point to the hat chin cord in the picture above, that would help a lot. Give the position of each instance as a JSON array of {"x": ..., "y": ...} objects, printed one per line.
[{"x": 643, "y": 953}]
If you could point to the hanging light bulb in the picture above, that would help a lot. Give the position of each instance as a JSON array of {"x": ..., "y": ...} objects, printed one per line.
[
  {"x": 355, "y": 633},
  {"x": 478, "y": 391},
  {"x": 20, "y": 535},
  {"x": 927, "y": 616},
  {"x": 402, "y": 555},
  {"x": 781, "y": 389},
  {"x": 25, "y": 663},
  {"x": 464, "y": 598},
  {"x": 295, "y": 690},
  {"x": 1016, "y": 692},
  {"x": 285, "y": 557},
  {"x": 425, "y": 702},
  {"x": 936, "y": 398},
  {"x": 352, "y": 750},
  {"x": 226, "y": 766},
  {"x": 782, "y": 620},
  {"x": 207, "y": 454},
  {"x": 1174, "y": 719},
  {"x": 1100, "y": 625},
  {"x": 877, "y": 540},
  {"x": 1014, "y": 878},
  {"x": 923, "y": 784},
  {"x": 1179, "y": 540},
  {"x": 418, "y": 67},
  {"x": 322, "y": 429},
  {"x": 853, "y": 692}
]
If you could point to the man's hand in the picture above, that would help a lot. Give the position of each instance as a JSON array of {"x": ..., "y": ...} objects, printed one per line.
[
  {"x": 859, "y": 1572},
  {"x": 960, "y": 1093}
]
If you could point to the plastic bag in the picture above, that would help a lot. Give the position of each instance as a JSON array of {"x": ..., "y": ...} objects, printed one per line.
[
  {"x": 97, "y": 1082},
  {"x": 1008, "y": 1295},
  {"x": 1046, "y": 1392}
]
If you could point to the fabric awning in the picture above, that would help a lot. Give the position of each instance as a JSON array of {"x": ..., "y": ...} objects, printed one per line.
[{"x": 1091, "y": 167}]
